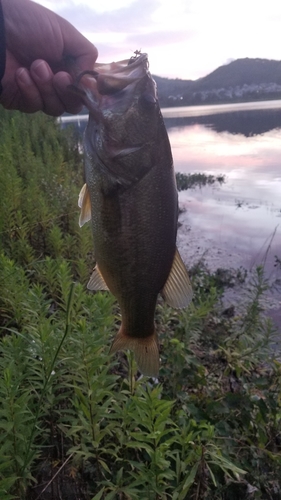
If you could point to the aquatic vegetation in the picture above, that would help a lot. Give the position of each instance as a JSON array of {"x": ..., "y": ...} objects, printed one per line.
[
  {"x": 189, "y": 181},
  {"x": 78, "y": 423}
]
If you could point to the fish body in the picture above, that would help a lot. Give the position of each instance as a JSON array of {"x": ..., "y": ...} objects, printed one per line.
[{"x": 131, "y": 198}]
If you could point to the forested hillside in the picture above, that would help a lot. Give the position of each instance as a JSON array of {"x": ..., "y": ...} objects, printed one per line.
[{"x": 240, "y": 80}]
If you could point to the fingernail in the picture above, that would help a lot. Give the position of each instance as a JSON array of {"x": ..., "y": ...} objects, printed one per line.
[
  {"x": 42, "y": 71},
  {"x": 24, "y": 77}
]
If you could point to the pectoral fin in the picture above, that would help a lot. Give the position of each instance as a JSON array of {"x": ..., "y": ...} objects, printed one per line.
[
  {"x": 178, "y": 290},
  {"x": 96, "y": 281},
  {"x": 84, "y": 203},
  {"x": 121, "y": 153}
]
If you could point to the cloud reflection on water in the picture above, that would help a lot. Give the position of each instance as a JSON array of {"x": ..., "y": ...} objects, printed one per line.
[{"x": 241, "y": 214}]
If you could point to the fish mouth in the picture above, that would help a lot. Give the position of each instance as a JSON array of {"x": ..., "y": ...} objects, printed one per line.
[
  {"x": 114, "y": 77},
  {"x": 109, "y": 79}
]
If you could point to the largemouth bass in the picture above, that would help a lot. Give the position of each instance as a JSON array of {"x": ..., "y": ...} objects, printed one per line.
[{"x": 130, "y": 196}]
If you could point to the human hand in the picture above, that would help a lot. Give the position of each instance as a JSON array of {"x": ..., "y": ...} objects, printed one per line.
[{"x": 44, "y": 53}]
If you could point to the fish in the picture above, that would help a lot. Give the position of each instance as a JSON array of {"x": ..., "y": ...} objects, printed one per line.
[{"x": 131, "y": 199}]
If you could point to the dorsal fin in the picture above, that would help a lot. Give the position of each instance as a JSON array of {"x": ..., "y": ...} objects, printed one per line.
[
  {"x": 84, "y": 203},
  {"x": 96, "y": 281},
  {"x": 177, "y": 291}
]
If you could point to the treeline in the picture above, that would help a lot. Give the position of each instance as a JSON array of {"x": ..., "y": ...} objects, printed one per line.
[{"x": 241, "y": 80}]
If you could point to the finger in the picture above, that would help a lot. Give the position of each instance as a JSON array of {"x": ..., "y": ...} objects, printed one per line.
[
  {"x": 72, "y": 103},
  {"x": 43, "y": 76},
  {"x": 31, "y": 100}
]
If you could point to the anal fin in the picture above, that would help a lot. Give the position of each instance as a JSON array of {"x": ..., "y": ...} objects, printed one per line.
[
  {"x": 84, "y": 203},
  {"x": 96, "y": 281},
  {"x": 177, "y": 291}
]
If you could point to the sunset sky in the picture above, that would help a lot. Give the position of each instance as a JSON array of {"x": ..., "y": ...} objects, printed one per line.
[{"x": 183, "y": 38}]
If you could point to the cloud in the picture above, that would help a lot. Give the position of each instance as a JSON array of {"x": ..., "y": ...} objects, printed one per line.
[
  {"x": 119, "y": 32},
  {"x": 158, "y": 38},
  {"x": 132, "y": 18},
  {"x": 184, "y": 38}
]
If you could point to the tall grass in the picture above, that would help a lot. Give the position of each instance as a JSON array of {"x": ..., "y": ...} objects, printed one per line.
[{"x": 76, "y": 423}]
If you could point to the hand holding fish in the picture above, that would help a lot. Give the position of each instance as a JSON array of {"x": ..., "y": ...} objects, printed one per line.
[{"x": 42, "y": 51}]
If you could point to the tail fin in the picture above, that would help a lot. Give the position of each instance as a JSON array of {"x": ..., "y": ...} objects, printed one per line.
[{"x": 145, "y": 349}]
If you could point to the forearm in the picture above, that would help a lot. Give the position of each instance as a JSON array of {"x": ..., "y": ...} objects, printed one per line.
[{"x": 41, "y": 55}]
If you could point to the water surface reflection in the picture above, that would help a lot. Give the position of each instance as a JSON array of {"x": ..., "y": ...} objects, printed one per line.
[{"x": 231, "y": 225}]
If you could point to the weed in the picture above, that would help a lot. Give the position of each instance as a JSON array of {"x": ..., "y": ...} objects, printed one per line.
[{"x": 189, "y": 181}]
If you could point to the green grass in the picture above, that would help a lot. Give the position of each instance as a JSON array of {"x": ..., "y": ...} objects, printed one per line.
[{"x": 76, "y": 423}]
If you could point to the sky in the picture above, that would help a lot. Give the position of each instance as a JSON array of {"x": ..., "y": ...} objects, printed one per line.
[{"x": 183, "y": 38}]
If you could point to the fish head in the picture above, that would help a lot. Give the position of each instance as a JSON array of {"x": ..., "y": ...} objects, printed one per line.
[
  {"x": 116, "y": 87},
  {"x": 124, "y": 113}
]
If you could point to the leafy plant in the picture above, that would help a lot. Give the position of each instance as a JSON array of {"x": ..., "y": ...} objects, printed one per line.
[{"x": 76, "y": 422}]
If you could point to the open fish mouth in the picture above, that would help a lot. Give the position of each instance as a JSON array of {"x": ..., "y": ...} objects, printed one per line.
[
  {"x": 113, "y": 86},
  {"x": 119, "y": 75},
  {"x": 111, "y": 78}
]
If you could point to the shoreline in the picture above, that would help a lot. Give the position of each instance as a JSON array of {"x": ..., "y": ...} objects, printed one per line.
[
  {"x": 195, "y": 248},
  {"x": 196, "y": 110}
]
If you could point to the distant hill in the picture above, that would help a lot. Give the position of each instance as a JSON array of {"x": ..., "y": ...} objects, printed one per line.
[
  {"x": 240, "y": 72},
  {"x": 241, "y": 80},
  {"x": 168, "y": 86}
]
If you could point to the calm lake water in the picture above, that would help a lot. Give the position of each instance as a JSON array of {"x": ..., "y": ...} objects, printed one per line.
[
  {"x": 237, "y": 223},
  {"x": 242, "y": 214},
  {"x": 232, "y": 224}
]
